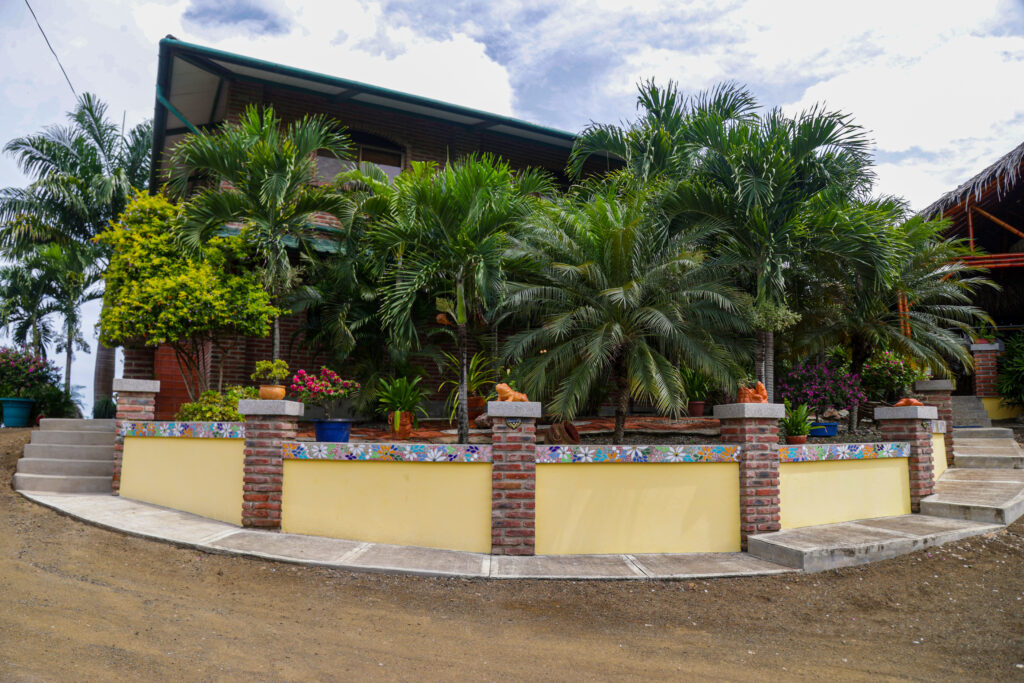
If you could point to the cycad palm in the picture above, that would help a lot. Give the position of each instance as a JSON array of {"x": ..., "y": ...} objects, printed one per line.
[
  {"x": 263, "y": 177},
  {"x": 447, "y": 234},
  {"x": 617, "y": 302}
]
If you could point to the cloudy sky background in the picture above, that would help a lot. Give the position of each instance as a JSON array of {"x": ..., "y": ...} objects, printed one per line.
[{"x": 938, "y": 83}]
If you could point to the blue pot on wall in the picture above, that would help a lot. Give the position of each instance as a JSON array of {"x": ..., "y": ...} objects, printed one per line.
[
  {"x": 17, "y": 411},
  {"x": 332, "y": 431},
  {"x": 823, "y": 428}
]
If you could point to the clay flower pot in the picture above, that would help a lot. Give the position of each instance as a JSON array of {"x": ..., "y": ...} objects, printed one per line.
[
  {"x": 404, "y": 425},
  {"x": 476, "y": 406},
  {"x": 796, "y": 439},
  {"x": 695, "y": 408},
  {"x": 272, "y": 392}
]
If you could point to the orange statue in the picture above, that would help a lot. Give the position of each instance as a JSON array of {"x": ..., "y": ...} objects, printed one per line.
[
  {"x": 505, "y": 393},
  {"x": 755, "y": 394},
  {"x": 908, "y": 402}
]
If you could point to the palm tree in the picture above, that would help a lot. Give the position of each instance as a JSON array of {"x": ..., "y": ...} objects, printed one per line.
[
  {"x": 261, "y": 175},
  {"x": 83, "y": 176},
  {"x": 25, "y": 308},
  {"x": 618, "y": 302},
  {"x": 447, "y": 233}
]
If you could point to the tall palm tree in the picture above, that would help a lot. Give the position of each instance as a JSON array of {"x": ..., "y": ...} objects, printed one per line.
[
  {"x": 83, "y": 175},
  {"x": 26, "y": 308},
  {"x": 618, "y": 302},
  {"x": 447, "y": 235},
  {"x": 261, "y": 174}
]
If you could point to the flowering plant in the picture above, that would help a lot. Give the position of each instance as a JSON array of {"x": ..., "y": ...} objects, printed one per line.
[
  {"x": 322, "y": 389},
  {"x": 887, "y": 375},
  {"x": 22, "y": 374},
  {"x": 821, "y": 385}
]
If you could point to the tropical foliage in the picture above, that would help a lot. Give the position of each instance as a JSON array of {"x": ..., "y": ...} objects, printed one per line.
[
  {"x": 1011, "y": 371},
  {"x": 323, "y": 389},
  {"x": 214, "y": 406}
]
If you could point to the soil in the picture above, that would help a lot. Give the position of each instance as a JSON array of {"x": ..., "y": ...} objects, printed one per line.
[{"x": 82, "y": 603}]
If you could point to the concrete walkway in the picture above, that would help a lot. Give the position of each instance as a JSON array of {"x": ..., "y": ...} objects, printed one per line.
[{"x": 188, "y": 530}]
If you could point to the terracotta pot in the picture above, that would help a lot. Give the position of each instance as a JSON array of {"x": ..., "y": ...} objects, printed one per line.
[
  {"x": 476, "y": 405},
  {"x": 695, "y": 408},
  {"x": 796, "y": 440},
  {"x": 404, "y": 425},
  {"x": 272, "y": 392}
]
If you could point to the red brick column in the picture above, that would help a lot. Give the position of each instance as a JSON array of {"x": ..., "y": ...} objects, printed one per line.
[
  {"x": 267, "y": 425},
  {"x": 912, "y": 424},
  {"x": 139, "y": 362},
  {"x": 939, "y": 393},
  {"x": 136, "y": 402},
  {"x": 985, "y": 370},
  {"x": 755, "y": 427},
  {"x": 513, "y": 476}
]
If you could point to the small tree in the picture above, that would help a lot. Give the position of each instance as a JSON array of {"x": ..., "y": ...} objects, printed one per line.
[{"x": 156, "y": 295}]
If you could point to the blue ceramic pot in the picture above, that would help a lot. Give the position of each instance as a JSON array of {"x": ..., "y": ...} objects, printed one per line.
[
  {"x": 823, "y": 428},
  {"x": 17, "y": 411},
  {"x": 332, "y": 431}
]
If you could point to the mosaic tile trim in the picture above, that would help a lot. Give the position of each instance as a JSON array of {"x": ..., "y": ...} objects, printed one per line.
[
  {"x": 393, "y": 452},
  {"x": 843, "y": 451},
  {"x": 680, "y": 453},
  {"x": 189, "y": 430}
]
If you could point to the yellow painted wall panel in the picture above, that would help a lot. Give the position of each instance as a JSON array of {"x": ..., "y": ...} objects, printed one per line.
[
  {"x": 939, "y": 453},
  {"x": 201, "y": 476},
  {"x": 434, "y": 505},
  {"x": 830, "y": 491},
  {"x": 599, "y": 508},
  {"x": 997, "y": 411}
]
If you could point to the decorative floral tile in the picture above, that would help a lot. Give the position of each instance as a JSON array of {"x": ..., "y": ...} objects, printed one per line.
[
  {"x": 681, "y": 453},
  {"x": 843, "y": 451},
  {"x": 189, "y": 430},
  {"x": 394, "y": 452}
]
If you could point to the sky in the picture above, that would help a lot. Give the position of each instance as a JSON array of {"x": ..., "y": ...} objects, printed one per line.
[{"x": 936, "y": 82}]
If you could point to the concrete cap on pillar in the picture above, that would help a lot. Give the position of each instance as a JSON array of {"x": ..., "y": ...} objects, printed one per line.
[
  {"x": 256, "y": 407},
  {"x": 934, "y": 385},
  {"x": 907, "y": 413},
  {"x": 513, "y": 409},
  {"x": 732, "y": 411},
  {"x": 151, "y": 386},
  {"x": 994, "y": 346}
]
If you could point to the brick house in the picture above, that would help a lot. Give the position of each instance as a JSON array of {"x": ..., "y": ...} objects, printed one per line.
[{"x": 198, "y": 88}]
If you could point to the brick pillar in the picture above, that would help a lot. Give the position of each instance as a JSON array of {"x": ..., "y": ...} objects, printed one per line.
[
  {"x": 136, "y": 402},
  {"x": 267, "y": 424},
  {"x": 912, "y": 424},
  {"x": 513, "y": 476},
  {"x": 139, "y": 362},
  {"x": 755, "y": 427},
  {"x": 985, "y": 371},
  {"x": 939, "y": 393}
]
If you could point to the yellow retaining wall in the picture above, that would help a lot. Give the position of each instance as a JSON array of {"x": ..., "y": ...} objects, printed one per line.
[
  {"x": 201, "y": 476},
  {"x": 829, "y": 491},
  {"x": 939, "y": 454},
  {"x": 997, "y": 411},
  {"x": 435, "y": 505},
  {"x": 596, "y": 508}
]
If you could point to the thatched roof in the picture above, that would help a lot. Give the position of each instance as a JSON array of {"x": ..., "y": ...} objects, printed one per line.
[{"x": 1001, "y": 176}]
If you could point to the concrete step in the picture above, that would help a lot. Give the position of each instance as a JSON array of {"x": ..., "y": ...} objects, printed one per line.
[
  {"x": 68, "y": 451},
  {"x": 982, "y": 433},
  {"x": 84, "y": 438},
  {"x": 51, "y": 483},
  {"x": 992, "y": 461},
  {"x": 87, "y": 468},
  {"x": 69, "y": 425},
  {"x": 994, "y": 496},
  {"x": 830, "y": 546},
  {"x": 1006, "y": 449}
]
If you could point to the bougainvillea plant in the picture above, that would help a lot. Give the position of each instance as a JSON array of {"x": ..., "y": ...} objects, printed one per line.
[
  {"x": 322, "y": 389},
  {"x": 22, "y": 373},
  {"x": 823, "y": 385}
]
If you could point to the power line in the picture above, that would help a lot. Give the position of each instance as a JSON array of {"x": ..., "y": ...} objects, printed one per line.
[{"x": 51, "y": 49}]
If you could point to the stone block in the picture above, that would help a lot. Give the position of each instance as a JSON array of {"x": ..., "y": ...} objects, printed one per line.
[
  {"x": 257, "y": 407},
  {"x": 934, "y": 385},
  {"x": 733, "y": 411},
  {"x": 513, "y": 409},
  {"x": 151, "y": 386},
  {"x": 907, "y": 413}
]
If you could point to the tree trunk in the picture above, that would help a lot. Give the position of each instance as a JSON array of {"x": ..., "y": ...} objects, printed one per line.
[
  {"x": 276, "y": 350},
  {"x": 68, "y": 356},
  {"x": 860, "y": 352},
  {"x": 103, "y": 373},
  {"x": 461, "y": 319},
  {"x": 621, "y": 401},
  {"x": 759, "y": 348},
  {"x": 769, "y": 364}
]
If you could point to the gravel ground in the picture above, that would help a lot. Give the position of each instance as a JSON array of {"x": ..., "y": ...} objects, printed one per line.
[{"x": 82, "y": 603}]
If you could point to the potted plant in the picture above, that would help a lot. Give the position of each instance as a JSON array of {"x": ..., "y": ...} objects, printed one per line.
[
  {"x": 797, "y": 423},
  {"x": 697, "y": 386},
  {"x": 825, "y": 386},
  {"x": 324, "y": 390},
  {"x": 22, "y": 376},
  {"x": 401, "y": 398},
  {"x": 480, "y": 378},
  {"x": 270, "y": 374}
]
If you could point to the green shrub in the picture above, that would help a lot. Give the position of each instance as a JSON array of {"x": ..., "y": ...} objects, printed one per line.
[
  {"x": 887, "y": 376},
  {"x": 104, "y": 409},
  {"x": 1011, "y": 371},
  {"x": 51, "y": 401},
  {"x": 213, "y": 406}
]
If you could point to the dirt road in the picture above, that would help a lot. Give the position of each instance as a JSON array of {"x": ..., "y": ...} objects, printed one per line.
[{"x": 81, "y": 603}]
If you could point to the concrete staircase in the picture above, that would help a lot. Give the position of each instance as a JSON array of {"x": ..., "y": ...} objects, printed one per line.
[
  {"x": 68, "y": 456},
  {"x": 986, "y": 448},
  {"x": 969, "y": 411}
]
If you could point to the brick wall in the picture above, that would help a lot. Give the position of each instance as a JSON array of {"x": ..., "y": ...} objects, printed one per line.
[
  {"x": 985, "y": 369},
  {"x": 513, "y": 485},
  {"x": 759, "y": 473}
]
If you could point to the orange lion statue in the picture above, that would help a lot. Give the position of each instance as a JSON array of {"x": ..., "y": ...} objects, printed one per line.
[
  {"x": 505, "y": 393},
  {"x": 755, "y": 394},
  {"x": 908, "y": 402}
]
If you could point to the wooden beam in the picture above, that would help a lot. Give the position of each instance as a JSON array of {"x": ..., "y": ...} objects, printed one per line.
[
  {"x": 999, "y": 221},
  {"x": 970, "y": 227}
]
